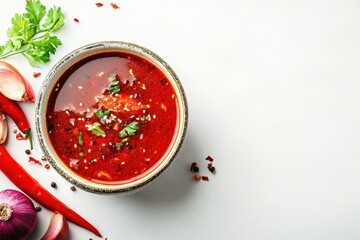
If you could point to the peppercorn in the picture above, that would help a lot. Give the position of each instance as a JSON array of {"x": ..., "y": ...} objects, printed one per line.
[
  {"x": 38, "y": 208},
  {"x": 27, "y": 151},
  {"x": 53, "y": 185},
  {"x": 212, "y": 169},
  {"x": 195, "y": 169},
  {"x": 73, "y": 188}
]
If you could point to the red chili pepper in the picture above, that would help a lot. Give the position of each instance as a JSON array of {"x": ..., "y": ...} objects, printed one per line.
[
  {"x": 26, "y": 183},
  {"x": 76, "y": 20},
  {"x": 47, "y": 166},
  {"x": 12, "y": 109},
  {"x": 99, "y": 4}
]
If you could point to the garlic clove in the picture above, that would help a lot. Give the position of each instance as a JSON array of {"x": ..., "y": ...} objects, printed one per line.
[
  {"x": 58, "y": 228},
  {"x": 3, "y": 128},
  {"x": 13, "y": 85}
]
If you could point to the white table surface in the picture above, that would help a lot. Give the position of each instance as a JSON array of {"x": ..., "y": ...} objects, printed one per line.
[{"x": 273, "y": 93}]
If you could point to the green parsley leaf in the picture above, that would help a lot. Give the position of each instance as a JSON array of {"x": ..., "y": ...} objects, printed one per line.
[
  {"x": 100, "y": 114},
  {"x": 114, "y": 89},
  {"x": 35, "y": 11},
  {"x": 129, "y": 130},
  {"x": 54, "y": 19},
  {"x": 80, "y": 139},
  {"x": 29, "y": 38},
  {"x": 119, "y": 144},
  {"x": 143, "y": 120},
  {"x": 96, "y": 130}
]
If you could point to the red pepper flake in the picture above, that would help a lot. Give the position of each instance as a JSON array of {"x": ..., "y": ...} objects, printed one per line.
[
  {"x": 99, "y": 4},
  {"x": 209, "y": 158},
  {"x": 205, "y": 178},
  {"x": 20, "y": 136},
  {"x": 209, "y": 165},
  {"x": 47, "y": 166},
  {"x": 35, "y": 161},
  {"x": 197, "y": 177},
  {"x": 114, "y": 5},
  {"x": 36, "y": 74},
  {"x": 76, "y": 20}
]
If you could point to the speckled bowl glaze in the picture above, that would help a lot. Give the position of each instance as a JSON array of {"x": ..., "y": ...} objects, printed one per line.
[{"x": 50, "y": 82}]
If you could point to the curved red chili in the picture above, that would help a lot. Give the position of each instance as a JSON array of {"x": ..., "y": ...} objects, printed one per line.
[
  {"x": 12, "y": 109},
  {"x": 25, "y": 182}
]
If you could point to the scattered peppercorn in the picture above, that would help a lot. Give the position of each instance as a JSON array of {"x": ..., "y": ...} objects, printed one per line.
[
  {"x": 195, "y": 169},
  {"x": 53, "y": 185},
  {"x": 27, "y": 151},
  {"x": 212, "y": 169},
  {"x": 38, "y": 208},
  {"x": 73, "y": 188},
  {"x": 15, "y": 131},
  {"x": 76, "y": 20},
  {"x": 205, "y": 178}
]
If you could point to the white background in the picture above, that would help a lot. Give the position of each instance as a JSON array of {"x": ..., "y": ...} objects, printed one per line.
[{"x": 273, "y": 92}]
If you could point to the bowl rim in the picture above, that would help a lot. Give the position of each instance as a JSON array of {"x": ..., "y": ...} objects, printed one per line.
[{"x": 52, "y": 78}]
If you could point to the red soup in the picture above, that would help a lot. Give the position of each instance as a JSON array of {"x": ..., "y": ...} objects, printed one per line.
[{"x": 112, "y": 117}]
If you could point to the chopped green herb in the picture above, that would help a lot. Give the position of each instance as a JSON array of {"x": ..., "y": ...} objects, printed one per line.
[
  {"x": 96, "y": 130},
  {"x": 80, "y": 138},
  {"x": 82, "y": 154},
  {"x": 114, "y": 80},
  {"x": 32, "y": 37},
  {"x": 143, "y": 120},
  {"x": 100, "y": 114},
  {"x": 114, "y": 89},
  {"x": 119, "y": 144},
  {"x": 129, "y": 130}
]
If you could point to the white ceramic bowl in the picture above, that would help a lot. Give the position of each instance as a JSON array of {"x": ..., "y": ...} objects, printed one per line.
[{"x": 51, "y": 81}]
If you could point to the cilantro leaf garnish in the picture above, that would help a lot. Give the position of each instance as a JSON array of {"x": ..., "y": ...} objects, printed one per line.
[
  {"x": 27, "y": 36},
  {"x": 129, "y": 130},
  {"x": 100, "y": 114},
  {"x": 96, "y": 130},
  {"x": 114, "y": 87},
  {"x": 143, "y": 120}
]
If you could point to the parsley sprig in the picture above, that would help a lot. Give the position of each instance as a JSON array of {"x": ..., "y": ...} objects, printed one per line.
[
  {"x": 129, "y": 130},
  {"x": 100, "y": 114},
  {"x": 31, "y": 36},
  {"x": 96, "y": 130},
  {"x": 114, "y": 87}
]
